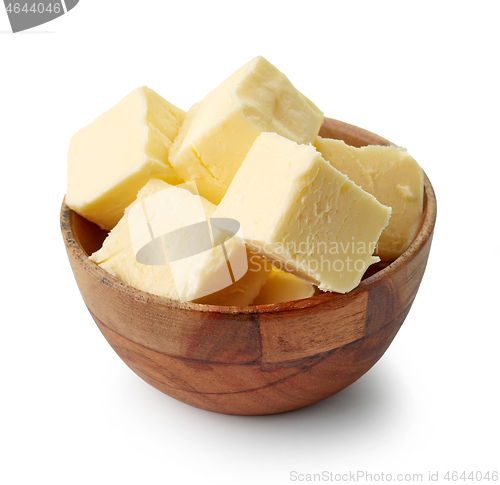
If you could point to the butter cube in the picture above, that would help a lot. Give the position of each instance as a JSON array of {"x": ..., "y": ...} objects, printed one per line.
[
  {"x": 117, "y": 257},
  {"x": 281, "y": 286},
  {"x": 203, "y": 277},
  {"x": 113, "y": 157},
  {"x": 240, "y": 292},
  {"x": 393, "y": 177},
  {"x": 296, "y": 209},
  {"x": 220, "y": 130}
]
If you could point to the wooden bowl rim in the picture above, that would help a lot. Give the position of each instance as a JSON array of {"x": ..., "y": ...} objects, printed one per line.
[{"x": 424, "y": 232}]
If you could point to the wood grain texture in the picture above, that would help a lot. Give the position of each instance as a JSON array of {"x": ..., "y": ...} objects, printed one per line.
[
  {"x": 301, "y": 332},
  {"x": 258, "y": 359}
]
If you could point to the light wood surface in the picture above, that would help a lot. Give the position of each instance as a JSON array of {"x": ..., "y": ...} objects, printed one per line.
[{"x": 258, "y": 359}]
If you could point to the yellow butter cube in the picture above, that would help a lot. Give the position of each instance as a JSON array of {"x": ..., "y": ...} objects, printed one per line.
[
  {"x": 296, "y": 209},
  {"x": 393, "y": 177},
  {"x": 219, "y": 130},
  {"x": 113, "y": 157},
  {"x": 184, "y": 264},
  {"x": 281, "y": 286}
]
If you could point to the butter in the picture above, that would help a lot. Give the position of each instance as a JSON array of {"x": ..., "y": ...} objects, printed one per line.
[
  {"x": 117, "y": 257},
  {"x": 220, "y": 130},
  {"x": 280, "y": 287},
  {"x": 195, "y": 277},
  {"x": 393, "y": 177},
  {"x": 239, "y": 293},
  {"x": 297, "y": 210},
  {"x": 113, "y": 157}
]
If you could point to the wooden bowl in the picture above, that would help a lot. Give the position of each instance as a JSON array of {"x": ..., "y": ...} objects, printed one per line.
[{"x": 253, "y": 360}]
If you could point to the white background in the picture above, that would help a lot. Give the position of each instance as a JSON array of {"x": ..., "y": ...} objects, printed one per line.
[{"x": 424, "y": 75}]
